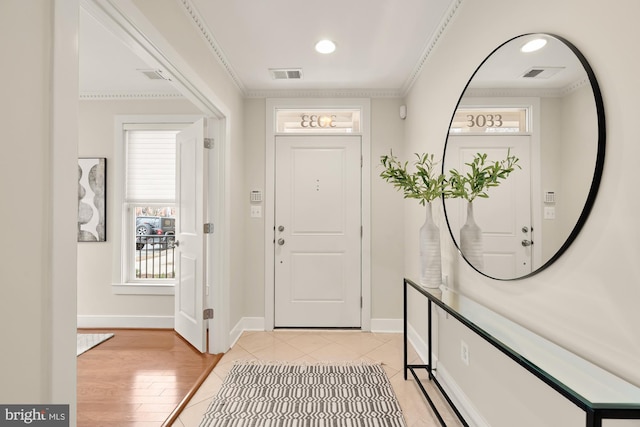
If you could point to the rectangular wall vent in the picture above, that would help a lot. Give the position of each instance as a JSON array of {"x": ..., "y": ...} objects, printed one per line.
[
  {"x": 542, "y": 72},
  {"x": 155, "y": 74},
  {"x": 286, "y": 73}
]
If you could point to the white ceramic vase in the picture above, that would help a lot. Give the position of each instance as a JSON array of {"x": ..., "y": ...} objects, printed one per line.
[
  {"x": 430, "y": 258},
  {"x": 471, "y": 240}
]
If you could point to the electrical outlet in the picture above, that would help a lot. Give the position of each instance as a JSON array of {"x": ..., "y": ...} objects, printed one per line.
[{"x": 464, "y": 352}]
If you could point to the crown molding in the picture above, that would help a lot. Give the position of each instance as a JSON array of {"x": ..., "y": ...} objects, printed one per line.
[
  {"x": 325, "y": 93},
  {"x": 444, "y": 23},
  {"x": 575, "y": 86},
  {"x": 197, "y": 20},
  {"x": 527, "y": 92},
  {"x": 120, "y": 96}
]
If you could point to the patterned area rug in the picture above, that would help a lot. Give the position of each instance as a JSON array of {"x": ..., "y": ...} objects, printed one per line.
[
  {"x": 88, "y": 341},
  {"x": 308, "y": 395}
]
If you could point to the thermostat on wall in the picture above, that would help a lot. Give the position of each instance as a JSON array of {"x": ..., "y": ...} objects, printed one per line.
[
  {"x": 549, "y": 197},
  {"x": 256, "y": 196}
]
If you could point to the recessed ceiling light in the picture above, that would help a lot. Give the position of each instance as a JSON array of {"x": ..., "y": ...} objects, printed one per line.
[
  {"x": 533, "y": 45},
  {"x": 325, "y": 46}
]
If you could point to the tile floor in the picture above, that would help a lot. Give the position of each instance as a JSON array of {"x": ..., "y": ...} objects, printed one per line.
[{"x": 313, "y": 346}]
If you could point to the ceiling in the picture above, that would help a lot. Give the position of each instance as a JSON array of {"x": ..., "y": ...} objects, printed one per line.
[
  {"x": 380, "y": 49},
  {"x": 380, "y": 45}
]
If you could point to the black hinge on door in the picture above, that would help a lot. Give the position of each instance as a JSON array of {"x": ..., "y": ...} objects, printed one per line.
[{"x": 207, "y": 314}]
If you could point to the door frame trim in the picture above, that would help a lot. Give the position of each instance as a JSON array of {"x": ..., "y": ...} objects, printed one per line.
[{"x": 272, "y": 104}]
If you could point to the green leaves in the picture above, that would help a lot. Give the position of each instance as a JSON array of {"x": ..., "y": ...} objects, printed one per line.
[
  {"x": 425, "y": 185},
  {"x": 483, "y": 175}
]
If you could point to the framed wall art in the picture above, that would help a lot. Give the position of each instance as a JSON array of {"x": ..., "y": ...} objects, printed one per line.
[{"x": 92, "y": 199}]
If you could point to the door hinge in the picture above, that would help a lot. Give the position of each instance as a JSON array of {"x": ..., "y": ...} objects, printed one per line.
[
  {"x": 360, "y": 302},
  {"x": 208, "y": 143},
  {"x": 208, "y": 228},
  {"x": 207, "y": 314}
]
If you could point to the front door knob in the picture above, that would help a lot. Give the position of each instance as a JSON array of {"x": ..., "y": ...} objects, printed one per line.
[
  {"x": 526, "y": 242},
  {"x": 281, "y": 242}
]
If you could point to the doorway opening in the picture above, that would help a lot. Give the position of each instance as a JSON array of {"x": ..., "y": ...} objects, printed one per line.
[{"x": 133, "y": 38}]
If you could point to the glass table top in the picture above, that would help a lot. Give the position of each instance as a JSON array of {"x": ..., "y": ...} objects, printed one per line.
[{"x": 589, "y": 383}]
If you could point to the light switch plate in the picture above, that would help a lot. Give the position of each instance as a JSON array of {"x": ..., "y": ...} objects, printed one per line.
[
  {"x": 256, "y": 211},
  {"x": 549, "y": 212}
]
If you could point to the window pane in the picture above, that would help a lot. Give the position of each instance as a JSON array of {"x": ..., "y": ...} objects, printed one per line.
[
  {"x": 490, "y": 120},
  {"x": 151, "y": 166},
  {"x": 318, "y": 121},
  {"x": 154, "y": 236}
]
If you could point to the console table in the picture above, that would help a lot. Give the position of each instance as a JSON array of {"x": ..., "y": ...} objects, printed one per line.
[{"x": 600, "y": 394}]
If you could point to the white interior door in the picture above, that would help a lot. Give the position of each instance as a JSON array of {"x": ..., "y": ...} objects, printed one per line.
[
  {"x": 190, "y": 256},
  {"x": 505, "y": 217},
  {"x": 318, "y": 231}
]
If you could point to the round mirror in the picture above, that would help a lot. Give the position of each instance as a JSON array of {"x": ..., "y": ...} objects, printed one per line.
[{"x": 541, "y": 105}]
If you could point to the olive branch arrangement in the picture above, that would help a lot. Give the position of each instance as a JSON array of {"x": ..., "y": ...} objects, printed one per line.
[
  {"x": 426, "y": 185},
  {"x": 423, "y": 184},
  {"x": 483, "y": 175}
]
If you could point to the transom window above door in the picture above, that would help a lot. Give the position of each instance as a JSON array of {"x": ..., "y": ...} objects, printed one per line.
[
  {"x": 493, "y": 120},
  {"x": 318, "y": 121}
]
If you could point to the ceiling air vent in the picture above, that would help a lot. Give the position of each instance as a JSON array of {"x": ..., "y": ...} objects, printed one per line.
[
  {"x": 286, "y": 73},
  {"x": 155, "y": 74},
  {"x": 541, "y": 72}
]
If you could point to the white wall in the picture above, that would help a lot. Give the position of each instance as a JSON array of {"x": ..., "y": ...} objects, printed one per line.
[
  {"x": 254, "y": 175},
  {"x": 37, "y": 175},
  {"x": 387, "y": 221},
  {"x": 586, "y": 301}
]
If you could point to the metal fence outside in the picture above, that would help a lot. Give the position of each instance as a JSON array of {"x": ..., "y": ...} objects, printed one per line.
[{"x": 155, "y": 259}]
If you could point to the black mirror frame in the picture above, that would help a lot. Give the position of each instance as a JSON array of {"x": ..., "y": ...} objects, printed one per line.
[{"x": 599, "y": 165}]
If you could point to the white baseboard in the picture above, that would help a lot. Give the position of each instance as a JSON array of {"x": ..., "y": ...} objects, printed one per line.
[
  {"x": 124, "y": 322},
  {"x": 457, "y": 396},
  {"x": 246, "y": 324},
  {"x": 386, "y": 325},
  {"x": 419, "y": 345},
  {"x": 462, "y": 402}
]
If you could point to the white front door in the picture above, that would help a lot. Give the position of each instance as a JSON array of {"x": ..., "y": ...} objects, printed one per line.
[
  {"x": 318, "y": 231},
  {"x": 190, "y": 257},
  {"x": 505, "y": 217}
]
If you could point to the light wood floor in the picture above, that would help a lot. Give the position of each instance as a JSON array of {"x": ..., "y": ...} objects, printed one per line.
[
  {"x": 326, "y": 346},
  {"x": 138, "y": 378}
]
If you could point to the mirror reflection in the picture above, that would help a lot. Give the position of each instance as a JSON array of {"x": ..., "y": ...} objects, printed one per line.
[{"x": 544, "y": 107}]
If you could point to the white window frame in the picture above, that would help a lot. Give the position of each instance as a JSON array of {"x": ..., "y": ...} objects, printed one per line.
[{"x": 121, "y": 218}]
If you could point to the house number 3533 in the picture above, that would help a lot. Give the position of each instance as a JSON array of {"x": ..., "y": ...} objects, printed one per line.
[{"x": 316, "y": 121}]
